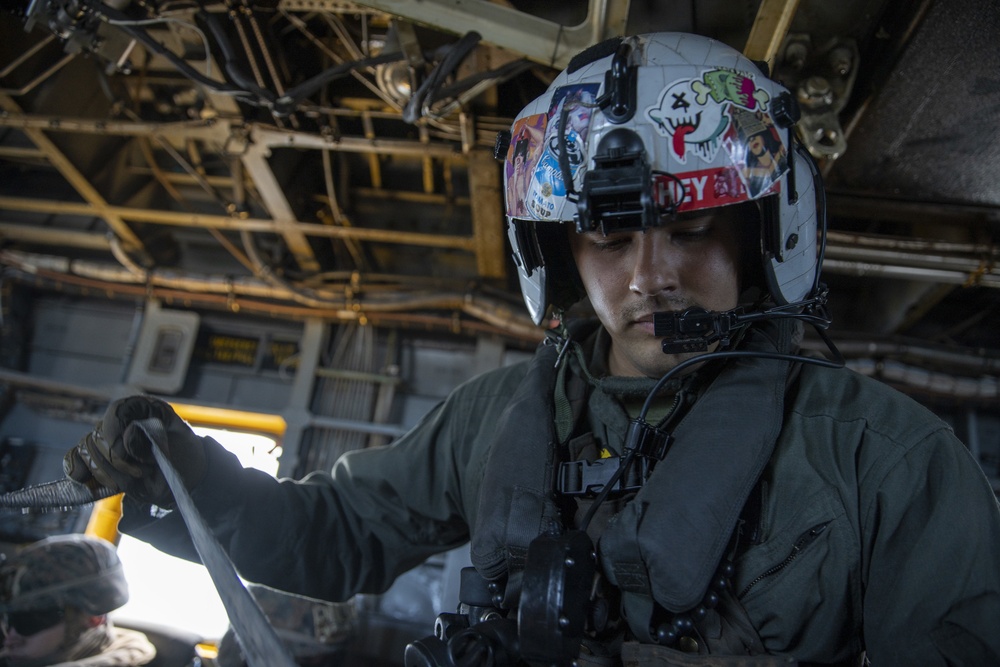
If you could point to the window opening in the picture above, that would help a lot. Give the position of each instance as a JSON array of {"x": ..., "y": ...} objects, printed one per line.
[{"x": 175, "y": 593}]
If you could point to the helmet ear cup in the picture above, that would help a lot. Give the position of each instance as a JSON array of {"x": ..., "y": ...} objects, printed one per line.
[
  {"x": 545, "y": 267},
  {"x": 532, "y": 273},
  {"x": 565, "y": 285},
  {"x": 790, "y": 224}
]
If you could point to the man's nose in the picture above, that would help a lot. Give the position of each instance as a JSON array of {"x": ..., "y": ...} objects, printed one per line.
[{"x": 654, "y": 270}]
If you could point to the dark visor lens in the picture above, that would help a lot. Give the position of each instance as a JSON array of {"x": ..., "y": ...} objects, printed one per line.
[{"x": 27, "y": 623}]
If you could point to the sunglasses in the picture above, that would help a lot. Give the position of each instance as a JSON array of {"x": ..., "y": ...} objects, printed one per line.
[{"x": 27, "y": 623}]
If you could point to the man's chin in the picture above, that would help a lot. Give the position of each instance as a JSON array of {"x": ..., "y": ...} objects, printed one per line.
[
  {"x": 641, "y": 353},
  {"x": 657, "y": 363}
]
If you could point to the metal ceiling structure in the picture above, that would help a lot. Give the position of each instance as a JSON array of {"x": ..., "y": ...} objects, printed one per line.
[{"x": 322, "y": 158}]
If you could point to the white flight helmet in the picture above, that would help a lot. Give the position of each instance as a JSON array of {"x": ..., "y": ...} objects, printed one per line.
[{"x": 639, "y": 129}]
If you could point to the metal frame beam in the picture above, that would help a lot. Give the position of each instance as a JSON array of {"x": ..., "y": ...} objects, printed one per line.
[
  {"x": 79, "y": 182},
  {"x": 203, "y": 221},
  {"x": 769, "y": 30},
  {"x": 538, "y": 39}
]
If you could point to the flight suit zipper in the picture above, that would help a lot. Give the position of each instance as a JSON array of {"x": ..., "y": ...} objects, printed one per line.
[{"x": 804, "y": 540}]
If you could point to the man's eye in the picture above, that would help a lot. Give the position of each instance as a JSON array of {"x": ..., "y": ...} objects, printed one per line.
[
  {"x": 611, "y": 244},
  {"x": 691, "y": 233}
]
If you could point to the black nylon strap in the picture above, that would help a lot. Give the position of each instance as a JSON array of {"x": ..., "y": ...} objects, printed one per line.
[
  {"x": 260, "y": 643},
  {"x": 515, "y": 503}
]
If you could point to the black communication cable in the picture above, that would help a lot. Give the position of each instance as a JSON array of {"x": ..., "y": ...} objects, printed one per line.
[
  {"x": 245, "y": 88},
  {"x": 456, "y": 53},
  {"x": 126, "y": 24},
  {"x": 288, "y": 102}
]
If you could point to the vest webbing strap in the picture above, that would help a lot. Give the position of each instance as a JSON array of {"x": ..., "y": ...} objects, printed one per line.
[
  {"x": 515, "y": 500},
  {"x": 669, "y": 540}
]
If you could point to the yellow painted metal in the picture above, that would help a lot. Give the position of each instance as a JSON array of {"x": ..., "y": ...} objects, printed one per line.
[
  {"x": 182, "y": 219},
  {"x": 487, "y": 214},
  {"x": 104, "y": 518},
  {"x": 237, "y": 420},
  {"x": 769, "y": 30}
]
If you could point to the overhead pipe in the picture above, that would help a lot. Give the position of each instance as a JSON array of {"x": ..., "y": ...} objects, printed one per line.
[
  {"x": 903, "y": 260},
  {"x": 916, "y": 352},
  {"x": 982, "y": 276},
  {"x": 538, "y": 39},
  {"x": 493, "y": 312},
  {"x": 920, "y": 378},
  {"x": 205, "y": 220},
  {"x": 131, "y": 273},
  {"x": 851, "y": 240},
  {"x": 32, "y": 381}
]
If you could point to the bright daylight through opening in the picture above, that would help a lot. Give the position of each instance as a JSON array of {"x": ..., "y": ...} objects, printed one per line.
[{"x": 172, "y": 592}]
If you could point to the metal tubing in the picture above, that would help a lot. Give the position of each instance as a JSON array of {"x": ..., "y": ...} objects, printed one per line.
[
  {"x": 911, "y": 273},
  {"x": 539, "y": 39}
]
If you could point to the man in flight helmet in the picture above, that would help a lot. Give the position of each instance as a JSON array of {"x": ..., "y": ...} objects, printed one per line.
[
  {"x": 55, "y": 596},
  {"x": 670, "y": 482},
  {"x": 677, "y": 135}
]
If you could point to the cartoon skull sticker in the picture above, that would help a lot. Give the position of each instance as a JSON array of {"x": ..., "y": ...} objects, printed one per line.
[
  {"x": 691, "y": 121},
  {"x": 692, "y": 112}
]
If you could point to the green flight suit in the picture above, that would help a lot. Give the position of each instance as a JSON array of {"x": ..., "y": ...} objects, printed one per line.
[{"x": 878, "y": 531}]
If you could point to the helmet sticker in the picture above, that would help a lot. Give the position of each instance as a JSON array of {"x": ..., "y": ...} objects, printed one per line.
[
  {"x": 755, "y": 147},
  {"x": 729, "y": 86},
  {"x": 522, "y": 156},
  {"x": 706, "y": 188},
  {"x": 689, "y": 121},
  {"x": 546, "y": 192},
  {"x": 692, "y": 112}
]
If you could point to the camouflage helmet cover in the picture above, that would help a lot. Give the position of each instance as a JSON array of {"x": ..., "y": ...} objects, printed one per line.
[
  {"x": 310, "y": 629},
  {"x": 307, "y": 625},
  {"x": 64, "y": 571}
]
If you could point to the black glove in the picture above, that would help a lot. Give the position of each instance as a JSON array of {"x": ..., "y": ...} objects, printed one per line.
[{"x": 118, "y": 455}]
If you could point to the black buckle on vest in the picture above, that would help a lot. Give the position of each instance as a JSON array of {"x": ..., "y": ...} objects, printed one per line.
[
  {"x": 648, "y": 441},
  {"x": 588, "y": 478}
]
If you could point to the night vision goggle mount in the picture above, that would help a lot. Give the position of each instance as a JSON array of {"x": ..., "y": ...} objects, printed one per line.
[{"x": 619, "y": 192}]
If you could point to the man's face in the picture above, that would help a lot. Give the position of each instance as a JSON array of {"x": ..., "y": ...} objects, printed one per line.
[
  {"x": 631, "y": 275},
  {"x": 34, "y": 646}
]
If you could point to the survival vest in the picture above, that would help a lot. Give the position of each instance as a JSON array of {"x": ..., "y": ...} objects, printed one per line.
[{"x": 663, "y": 548}]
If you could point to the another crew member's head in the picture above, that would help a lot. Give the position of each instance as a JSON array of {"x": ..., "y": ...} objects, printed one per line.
[{"x": 55, "y": 594}]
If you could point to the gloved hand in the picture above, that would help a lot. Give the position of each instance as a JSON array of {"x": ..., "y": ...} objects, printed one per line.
[{"x": 118, "y": 455}]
